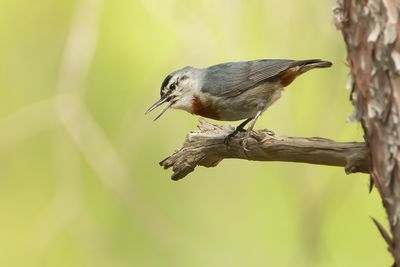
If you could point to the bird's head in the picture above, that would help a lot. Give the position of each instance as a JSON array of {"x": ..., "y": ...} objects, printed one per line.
[{"x": 177, "y": 90}]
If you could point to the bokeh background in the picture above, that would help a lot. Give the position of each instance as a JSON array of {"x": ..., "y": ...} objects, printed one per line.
[{"x": 80, "y": 183}]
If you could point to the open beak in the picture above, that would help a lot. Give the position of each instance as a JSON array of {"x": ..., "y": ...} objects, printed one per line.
[{"x": 159, "y": 103}]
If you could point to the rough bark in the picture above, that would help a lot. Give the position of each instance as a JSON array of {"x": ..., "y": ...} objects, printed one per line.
[
  {"x": 371, "y": 31},
  {"x": 207, "y": 148}
]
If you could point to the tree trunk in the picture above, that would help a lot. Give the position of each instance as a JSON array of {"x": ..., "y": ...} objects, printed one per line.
[{"x": 371, "y": 30}]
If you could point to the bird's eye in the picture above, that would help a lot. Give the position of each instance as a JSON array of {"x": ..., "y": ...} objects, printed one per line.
[{"x": 172, "y": 86}]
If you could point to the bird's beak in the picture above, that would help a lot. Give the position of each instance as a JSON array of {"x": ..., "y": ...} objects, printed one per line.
[{"x": 159, "y": 103}]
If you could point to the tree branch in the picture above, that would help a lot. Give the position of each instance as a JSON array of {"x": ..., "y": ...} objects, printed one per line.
[{"x": 206, "y": 148}]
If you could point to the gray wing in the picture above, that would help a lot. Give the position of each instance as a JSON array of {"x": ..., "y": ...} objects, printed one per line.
[{"x": 233, "y": 78}]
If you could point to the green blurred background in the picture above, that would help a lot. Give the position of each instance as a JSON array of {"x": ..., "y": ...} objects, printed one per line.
[{"x": 80, "y": 182}]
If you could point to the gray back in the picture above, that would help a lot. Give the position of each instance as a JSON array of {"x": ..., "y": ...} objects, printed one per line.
[{"x": 233, "y": 78}]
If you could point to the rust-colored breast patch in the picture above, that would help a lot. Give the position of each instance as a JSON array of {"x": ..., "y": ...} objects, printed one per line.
[
  {"x": 287, "y": 77},
  {"x": 204, "y": 109}
]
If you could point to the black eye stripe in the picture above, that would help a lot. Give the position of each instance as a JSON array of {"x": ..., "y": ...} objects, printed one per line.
[{"x": 165, "y": 83}]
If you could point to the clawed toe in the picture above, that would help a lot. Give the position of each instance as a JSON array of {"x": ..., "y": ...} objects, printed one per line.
[
  {"x": 269, "y": 132},
  {"x": 229, "y": 137},
  {"x": 236, "y": 131},
  {"x": 245, "y": 140},
  {"x": 244, "y": 143},
  {"x": 249, "y": 134}
]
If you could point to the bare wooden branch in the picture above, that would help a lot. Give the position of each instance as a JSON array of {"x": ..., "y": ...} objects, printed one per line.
[{"x": 206, "y": 147}]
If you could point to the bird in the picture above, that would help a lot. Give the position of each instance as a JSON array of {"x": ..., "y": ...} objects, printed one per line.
[{"x": 232, "y": 91}]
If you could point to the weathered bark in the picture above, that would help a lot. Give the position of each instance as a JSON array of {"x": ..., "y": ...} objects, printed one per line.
[
  {"x": 371, "y": 30},
  {"x": 207, "y": 148}
]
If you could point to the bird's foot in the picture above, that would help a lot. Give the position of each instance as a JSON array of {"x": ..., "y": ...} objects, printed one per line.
[
  {"x": 245, "y": 140},
  {"x": 233, "y": 134},
  {"x": 228, "y": 139},
  {"x": 260, "y": 137},
  {"x": 249, "y": 134},
  {"x": 244, "y": 143}
]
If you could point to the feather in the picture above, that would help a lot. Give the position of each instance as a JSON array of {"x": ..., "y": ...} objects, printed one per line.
[{"x": 233, "y": 78}]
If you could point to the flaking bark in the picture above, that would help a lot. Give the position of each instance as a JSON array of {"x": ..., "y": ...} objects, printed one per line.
[{"x": 371, "y": 31}]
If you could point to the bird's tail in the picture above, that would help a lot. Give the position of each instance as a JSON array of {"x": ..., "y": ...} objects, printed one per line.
[{"x": 306, "y": 65}]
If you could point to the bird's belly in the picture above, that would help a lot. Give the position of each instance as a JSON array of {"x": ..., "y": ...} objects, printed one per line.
[{"x": 247, "y": 104}]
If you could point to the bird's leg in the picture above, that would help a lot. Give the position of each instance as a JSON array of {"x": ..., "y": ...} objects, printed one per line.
[
  {"x": 249, "y": 129},
  {"x": 238, "y": 129}
]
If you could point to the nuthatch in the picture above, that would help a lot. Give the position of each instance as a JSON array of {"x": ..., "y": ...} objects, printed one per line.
[{"x": 232, "y": 91}]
